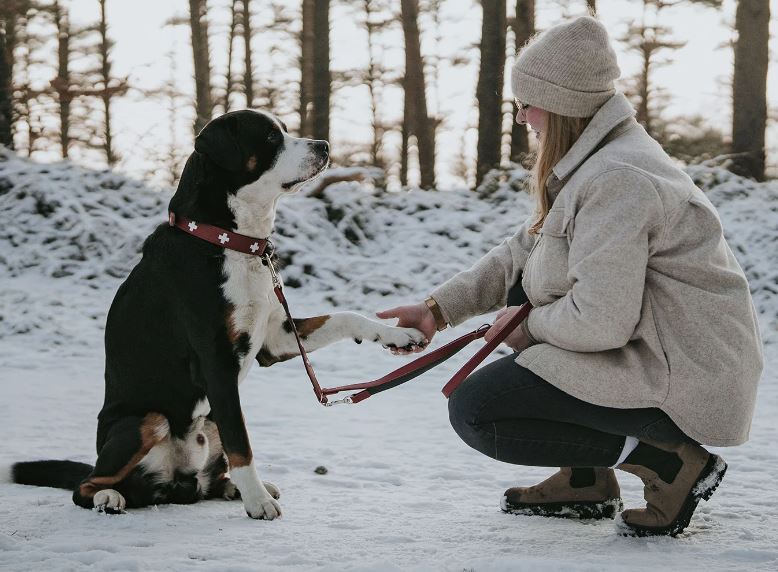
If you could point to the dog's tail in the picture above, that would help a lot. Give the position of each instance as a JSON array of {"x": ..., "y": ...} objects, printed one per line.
[{"x": 57, "y": 474}]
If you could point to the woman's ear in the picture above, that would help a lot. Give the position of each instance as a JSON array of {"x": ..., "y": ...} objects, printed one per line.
[{"x": 218, "y": 141}]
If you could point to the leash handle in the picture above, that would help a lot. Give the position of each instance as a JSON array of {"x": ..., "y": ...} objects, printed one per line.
[
  {"x": 423, "y": 364},
  {"x": 488, "y": 348}
]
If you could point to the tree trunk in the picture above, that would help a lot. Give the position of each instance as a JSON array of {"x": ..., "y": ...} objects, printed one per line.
[
  {"x": 6, "y": 89},
  {"x": 61, "y": 83},
  {"x": 248, "y": 73},
  {"x": 373, "y": 79},
  {"x": 321, "y": 70},
  {"x": 592, "y": 6},
  {"x": 229, "y": 81},
  {"x": 416, "y": 95},
  {"x": 202, "y": 64},
  {"x": 107, "y": 93},
  {"x": 306, "y": 69},
  {"x": 523, "y": 29},
  {"x": 405, "y": 134},
  {"x": 489, "y": 89},
  {"x": 749, "y": 89},
  {"x": 643, "y": 115}
]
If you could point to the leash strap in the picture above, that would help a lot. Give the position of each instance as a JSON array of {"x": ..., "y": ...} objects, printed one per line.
[{"x": 412, "y": 369}]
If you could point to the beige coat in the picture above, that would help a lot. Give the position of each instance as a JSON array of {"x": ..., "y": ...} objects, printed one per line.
[{"x": 638, "y": 299}]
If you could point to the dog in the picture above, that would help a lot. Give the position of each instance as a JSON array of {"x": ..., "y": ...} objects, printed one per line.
[{"x": 188, "y": 323}]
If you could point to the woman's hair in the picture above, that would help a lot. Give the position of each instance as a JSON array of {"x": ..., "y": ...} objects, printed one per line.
[{"x": 555, "y": 141}]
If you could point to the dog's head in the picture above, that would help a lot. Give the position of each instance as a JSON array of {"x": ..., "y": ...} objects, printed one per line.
[{"x": 248, "y": 154}]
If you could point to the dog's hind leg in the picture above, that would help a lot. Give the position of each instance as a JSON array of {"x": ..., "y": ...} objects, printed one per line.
[{"x": 128, "y": 441}]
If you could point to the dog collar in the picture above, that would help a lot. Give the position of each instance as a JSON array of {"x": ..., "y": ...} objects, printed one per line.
[{"x": 222, "y": 237}]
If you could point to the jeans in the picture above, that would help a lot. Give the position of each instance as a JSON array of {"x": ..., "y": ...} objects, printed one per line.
[{"x": 511, "y": 414}]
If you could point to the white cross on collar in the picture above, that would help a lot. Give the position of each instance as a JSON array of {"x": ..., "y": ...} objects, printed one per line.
[
  {"x": 192, "y": 226},
  {"x": 254, "y": 247},
  {"x": 223, "y": 238}
]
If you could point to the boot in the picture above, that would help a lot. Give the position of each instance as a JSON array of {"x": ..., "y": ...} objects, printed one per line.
[
  {"x": 570, "y": 493},
  {"x": 676, "y": 476}
]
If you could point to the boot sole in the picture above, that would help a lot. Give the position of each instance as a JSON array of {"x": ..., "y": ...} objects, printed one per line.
[
  {"x": 571, "y": 510},
  {"x": 703, "y": 489}
]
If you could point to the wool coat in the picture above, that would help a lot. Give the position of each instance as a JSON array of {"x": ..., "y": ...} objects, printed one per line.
[{"x": 638, "y": 299}]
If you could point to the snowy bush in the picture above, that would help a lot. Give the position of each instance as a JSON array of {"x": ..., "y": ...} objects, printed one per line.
[{"x": 64, "y": 222}]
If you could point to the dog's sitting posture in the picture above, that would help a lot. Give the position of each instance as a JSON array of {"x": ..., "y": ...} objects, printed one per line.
[{"x": 186, "y": 326}]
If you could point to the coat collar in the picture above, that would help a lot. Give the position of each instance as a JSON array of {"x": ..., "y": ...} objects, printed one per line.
[{"x": 614, "y": 111}]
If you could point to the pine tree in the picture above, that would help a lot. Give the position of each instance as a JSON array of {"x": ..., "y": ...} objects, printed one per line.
[
  {"x": 248, "y": 67},
  {"x": 202, "y": 63},
  {"x": 649, "y": 40},
  {"x": 419, "y": 123},
  {"x": 229, "y": 80},
  {"x": 108, "y": 88},
  {"x": 523, "y": 26},
  {"x": 6, "y": 92},
  {"x": 490, "y": 86}
]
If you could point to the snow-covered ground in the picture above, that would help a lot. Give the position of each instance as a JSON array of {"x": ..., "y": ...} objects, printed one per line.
[{"x": 402, "y": 491}]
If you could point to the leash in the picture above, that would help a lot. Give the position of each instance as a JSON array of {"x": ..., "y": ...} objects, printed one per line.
[
  {"x": 263, "y": 248},
  {"x": 410, "y": 370}
]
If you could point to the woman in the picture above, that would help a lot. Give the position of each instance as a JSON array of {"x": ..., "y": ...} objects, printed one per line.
[{"x": 642, "y": 344}]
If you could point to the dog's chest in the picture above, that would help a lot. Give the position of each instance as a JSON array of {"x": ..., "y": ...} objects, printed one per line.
[{"x": 248, "y": 290}]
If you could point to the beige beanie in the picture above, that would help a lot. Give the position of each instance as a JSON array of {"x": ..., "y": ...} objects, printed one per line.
[{"x": 568, "y": 69}]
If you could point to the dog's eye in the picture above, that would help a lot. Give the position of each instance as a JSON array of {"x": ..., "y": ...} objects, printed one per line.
[{"x": 274, "y": 136}]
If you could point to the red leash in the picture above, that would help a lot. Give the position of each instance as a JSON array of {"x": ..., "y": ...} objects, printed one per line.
[
  {"x": 410, "y": 370},
  {"x": 263, "y": 247}
]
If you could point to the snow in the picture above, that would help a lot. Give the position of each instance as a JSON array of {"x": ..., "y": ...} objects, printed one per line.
[{"x": 401, "y": 491}]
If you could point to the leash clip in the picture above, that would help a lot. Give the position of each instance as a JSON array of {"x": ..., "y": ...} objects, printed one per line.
[
  {"x": 273, "y": 273},
  {"x": 345, "y": 400}
]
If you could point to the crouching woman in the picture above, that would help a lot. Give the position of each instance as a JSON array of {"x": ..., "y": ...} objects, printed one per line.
[{"x": 642, "y": 345}]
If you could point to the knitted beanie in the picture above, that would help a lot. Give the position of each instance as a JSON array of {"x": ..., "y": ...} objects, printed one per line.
[{"x": 568, "y": 69}]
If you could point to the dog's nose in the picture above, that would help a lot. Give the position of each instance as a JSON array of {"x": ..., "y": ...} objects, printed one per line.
[{"x": 321, "y": 146}]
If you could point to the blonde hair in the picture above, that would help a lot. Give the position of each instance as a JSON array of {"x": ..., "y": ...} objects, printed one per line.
[{"x": 555, "y": 141}]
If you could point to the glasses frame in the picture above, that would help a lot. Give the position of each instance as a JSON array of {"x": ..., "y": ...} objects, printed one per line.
[{"x": 521, "y": 106}]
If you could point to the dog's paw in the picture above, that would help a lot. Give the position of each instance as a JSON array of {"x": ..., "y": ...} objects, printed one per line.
[
  {"x": 393, "y": 337},
  {"x": 264, "y": 509},
  {"x": 109, "y": 501},
  {"x": 231, "y": 492},
  {"x": 274, "y": 491}
]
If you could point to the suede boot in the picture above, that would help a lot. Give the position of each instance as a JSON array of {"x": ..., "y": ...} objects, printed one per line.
[
  {"x": 676, "y": 476},
  {"x": 570, "y": 493}
]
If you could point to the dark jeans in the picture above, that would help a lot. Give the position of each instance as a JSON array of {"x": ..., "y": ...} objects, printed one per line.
[{"x": 511, "y": 414}]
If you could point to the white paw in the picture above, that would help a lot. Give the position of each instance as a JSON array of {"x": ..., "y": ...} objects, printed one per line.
[
  {"x": 109, "y": 500},
  {"x": 274, "y": 491},
  {"x": 264, "y": 509},
  {"x": 389, "y": 336}
]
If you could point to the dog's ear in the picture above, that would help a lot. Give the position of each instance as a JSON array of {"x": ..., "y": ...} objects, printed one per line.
[{"x": 218, "y": 141}]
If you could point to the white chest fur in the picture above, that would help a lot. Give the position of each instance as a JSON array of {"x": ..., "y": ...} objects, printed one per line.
[{"x": 248, "y": 288}]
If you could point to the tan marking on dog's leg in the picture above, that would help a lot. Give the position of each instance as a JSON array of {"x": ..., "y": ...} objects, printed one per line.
[
  {"x": 307, "y": 326},
  {"x": 153, "y": 429},
  {"x": 237, "y": 460}
]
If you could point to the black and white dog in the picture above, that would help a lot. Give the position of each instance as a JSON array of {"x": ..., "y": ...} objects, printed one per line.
[{"x": 186, "y": 326}]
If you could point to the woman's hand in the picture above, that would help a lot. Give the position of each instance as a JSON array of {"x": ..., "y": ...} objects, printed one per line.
[
  {"x": 416, "y": 316},
  {"x": 516, "y": 340}
]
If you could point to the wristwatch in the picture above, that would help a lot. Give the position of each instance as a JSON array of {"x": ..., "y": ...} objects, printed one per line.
[{"x": 440, "y": 321}]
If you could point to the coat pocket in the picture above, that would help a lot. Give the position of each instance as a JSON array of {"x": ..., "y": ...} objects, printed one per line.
[{"x": 552, "y": 254}]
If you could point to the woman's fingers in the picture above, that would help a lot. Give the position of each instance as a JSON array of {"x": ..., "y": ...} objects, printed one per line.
[{"x": 391, "y": 313}]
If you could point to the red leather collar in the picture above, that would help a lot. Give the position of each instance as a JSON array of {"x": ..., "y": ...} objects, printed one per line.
[{"x": 222, "y": 237}]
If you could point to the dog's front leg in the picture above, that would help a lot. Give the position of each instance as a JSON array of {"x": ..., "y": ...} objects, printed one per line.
[
  {"x": 225, "y": 407},
  {"x": 317, "y": 332}
]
